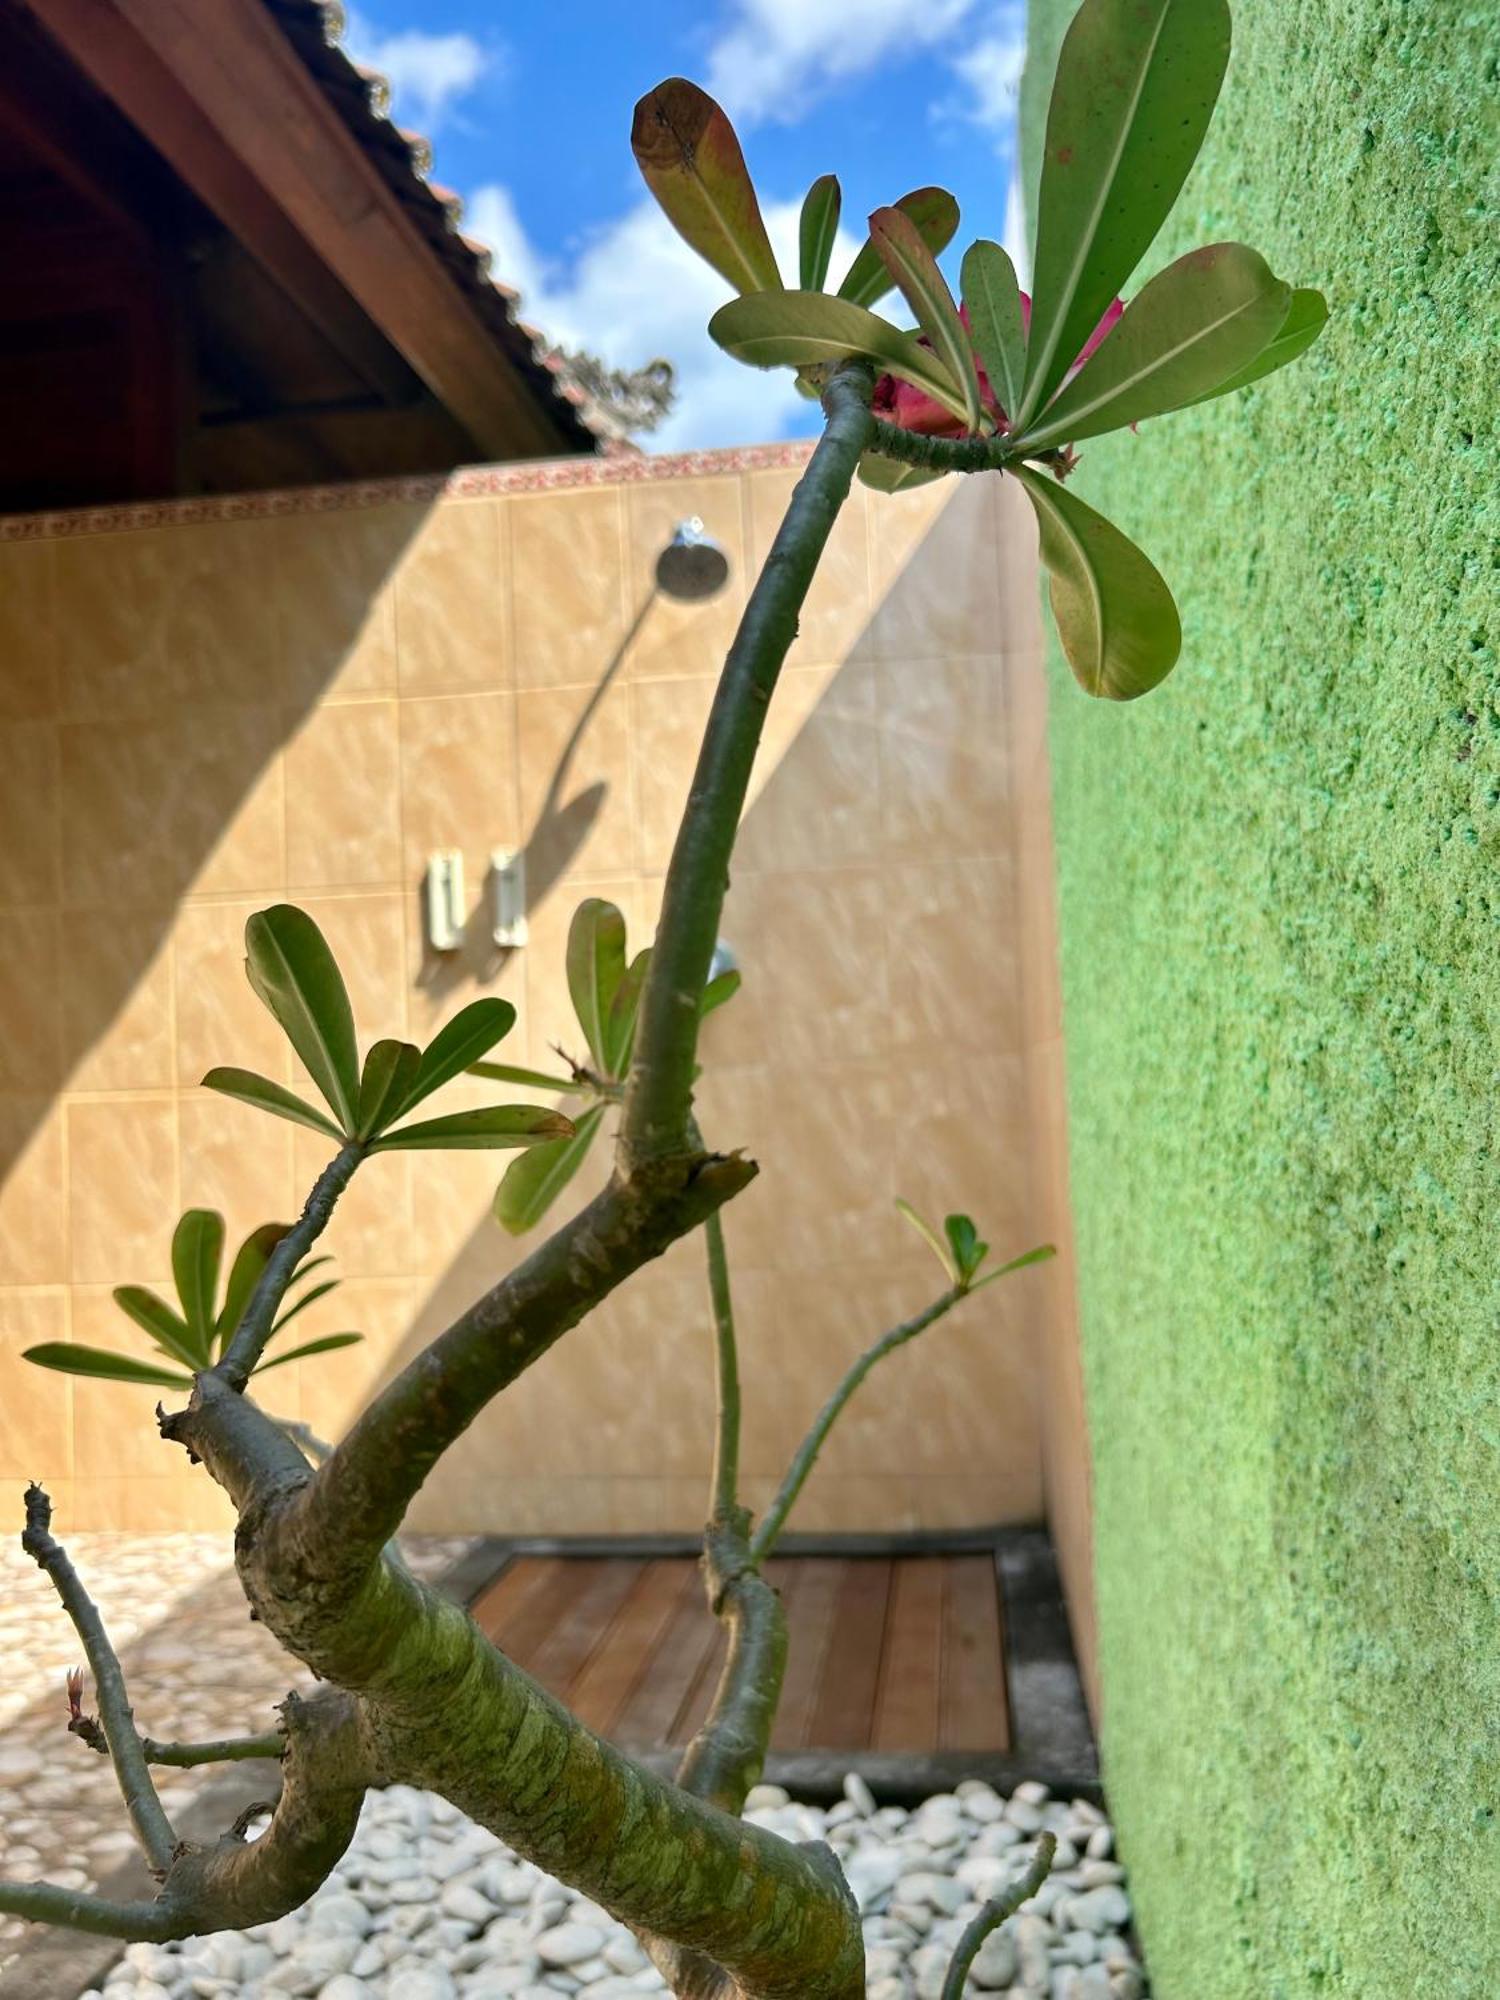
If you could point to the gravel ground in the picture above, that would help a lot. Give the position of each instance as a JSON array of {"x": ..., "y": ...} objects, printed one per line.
[{"x": 427, "y": 1906}]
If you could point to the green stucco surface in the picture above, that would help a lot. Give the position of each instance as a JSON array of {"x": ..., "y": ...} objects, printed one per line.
[{"x": 1280, "y": 912}]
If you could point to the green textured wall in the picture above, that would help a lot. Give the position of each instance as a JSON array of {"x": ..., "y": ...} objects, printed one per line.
[{"x": 1280, "y": 908}]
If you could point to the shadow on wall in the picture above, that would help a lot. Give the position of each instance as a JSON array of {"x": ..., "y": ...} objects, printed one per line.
[
  {"x": 876, "y": 1050},
  {"x": 147, "y": 681},
  {"x": 227, "y": 725}
]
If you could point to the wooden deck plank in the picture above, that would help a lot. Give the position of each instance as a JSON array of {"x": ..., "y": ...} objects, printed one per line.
[
  {"x": 540, "y": 1589},
  {"x": 498, "y": 1603},
  {"x": 851, "y": 1663},
  {"x": 974, "y": 1713},
  {"x": 810, "y": 1591},
  {"x": 908, "y": 1700},
  {"x": 584, "y": 1621},
  {"x": 648, "y": 1713},
  {"x": 627, "y": 1649},
  {"x": 888, "y": 1657}
]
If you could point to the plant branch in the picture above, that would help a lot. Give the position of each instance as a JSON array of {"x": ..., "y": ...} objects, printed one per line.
[
  {"x": 659, "y": 1092},
  {"x": 994, "y": 1914},
  {"x": 728, "y": 1754},
  {"x": 152, "y": 1827},
  {"x": 258, "y": 1323},
  {"x": 725, "y": 1479},
  {"x": 223, "y": 1750},
  {"x": 942, "y": 454},
  {"x": 78, "y": 1910},
  {"x": 356, "y": 1501},
  {"x": 444, "y": 1709},
  {"x": 806, "y": 1457}
]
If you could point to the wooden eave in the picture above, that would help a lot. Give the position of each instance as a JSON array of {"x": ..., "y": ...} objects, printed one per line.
[{"x": 221, "y": 90}]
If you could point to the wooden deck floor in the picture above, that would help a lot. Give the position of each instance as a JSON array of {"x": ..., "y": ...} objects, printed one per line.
[{"x": 898, "y": 1655}]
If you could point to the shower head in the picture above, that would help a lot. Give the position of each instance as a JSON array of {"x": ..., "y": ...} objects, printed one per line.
[{"x": 692, "y": 565}]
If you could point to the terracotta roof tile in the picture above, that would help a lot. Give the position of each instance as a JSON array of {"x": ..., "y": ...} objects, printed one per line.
[{"x": 361, "y": 97}]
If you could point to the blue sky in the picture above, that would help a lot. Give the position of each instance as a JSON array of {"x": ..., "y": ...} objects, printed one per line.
[{"x": 528, "y": 109}]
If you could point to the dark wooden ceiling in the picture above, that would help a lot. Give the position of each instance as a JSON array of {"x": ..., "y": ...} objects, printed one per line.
[{"x": 147, "y": 350}]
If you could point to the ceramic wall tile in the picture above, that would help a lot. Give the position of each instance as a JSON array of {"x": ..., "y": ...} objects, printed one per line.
[
  {"x": 189, "y": 799},
  {"x": 335, "y": 596},
  {"x": 453, "y": 622},
  {"x": 306, "y": 708},
  {"x": 944, "y": 757},
  {"x": 238, "y": 1160},
  {"x": 117, "y": 1000},
  {"x": 936, "y": 573},
  {"x": 816, "y": 795},
  {"x": 31, "y": 1031},
  {"x": 164, "y": 617},
  {"x": 122, "y": 1188},
  {"x": 30, "y": 815},
  {"x": 36, "y": 1429},
  {"x": 572, "y": 605},
  {"x": 343, "y": 798},
  {"x": 577, "y": 771},
  {"x": 33, "y": 1192},
  {"x": 459, "y": 782}
]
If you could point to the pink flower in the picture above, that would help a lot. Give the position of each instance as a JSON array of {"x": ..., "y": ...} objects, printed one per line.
[{"x": 912, "y": 409}]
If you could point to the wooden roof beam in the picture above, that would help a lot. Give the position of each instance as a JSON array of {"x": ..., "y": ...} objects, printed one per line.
[{"x": 221, "y": 93}]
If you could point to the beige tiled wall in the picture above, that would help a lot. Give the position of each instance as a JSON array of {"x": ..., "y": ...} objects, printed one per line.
[{"x": 202, "y": 716}]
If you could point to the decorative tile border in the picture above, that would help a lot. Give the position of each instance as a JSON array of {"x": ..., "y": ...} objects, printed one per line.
[{"x": 469, "y": 482}]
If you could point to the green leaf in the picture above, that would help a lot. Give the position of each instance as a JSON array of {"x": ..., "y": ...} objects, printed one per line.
[
  {"x": 293, "y": 971},
  {"x": 935, "y": 214},
  {"x": 1115, "y": 616},
  {"x": 469, "y": 1131},
  {"x": 1136, "y": 85},
  {"x": 969, "y": 1251},
  {"x": 536, "y": 1079},
  {"x": 623, "y": 1010},
  {"x": 457, "y": 1045},
  {"x": 71, "y": 1359},
  {"x": 818, "y": 230},
  {"x": 1042, "y": 1253},
  {"x": 386, "y": 1085},
  {"x": 157, "y": 1318},
  {"x": 900, "y": 247},
  {"x": 718, "y": 991},
  {"x": 197, "y": 1253},
  {"x": 248, "y": 1088},
  {"x": 1306, "y": 317},
  {"x": 532, "y": 1183},
  {"x": 691, "y": 160},
  {"x": 803, "y": 329},
  {"x": 1203, "y": 319},
  {"x": 596, "y": 965},
  {"x": 930, "y": 1237},
  {"x": 325, "y": 1344},
  {"x": 250, "y": 1261},
  {"x": 890, "y": 475},
  {"x": 309, "y": 1298},
  {"x": 992, "y": 294}
]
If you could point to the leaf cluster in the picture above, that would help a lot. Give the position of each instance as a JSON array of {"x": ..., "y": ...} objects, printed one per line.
[
  {"x": 195, "y": 1333},
  {"x": 1136, "y": 86}
]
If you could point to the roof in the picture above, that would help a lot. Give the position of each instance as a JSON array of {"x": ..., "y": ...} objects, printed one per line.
[{"x": 361, "y": 98}]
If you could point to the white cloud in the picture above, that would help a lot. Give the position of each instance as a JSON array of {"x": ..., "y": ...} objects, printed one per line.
[
  {"x": 990, "y": 73},
  {"x": 637, "y": 291},
  {"x": 777, "y": 56},
  {"x": 427, "y": 73}
]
